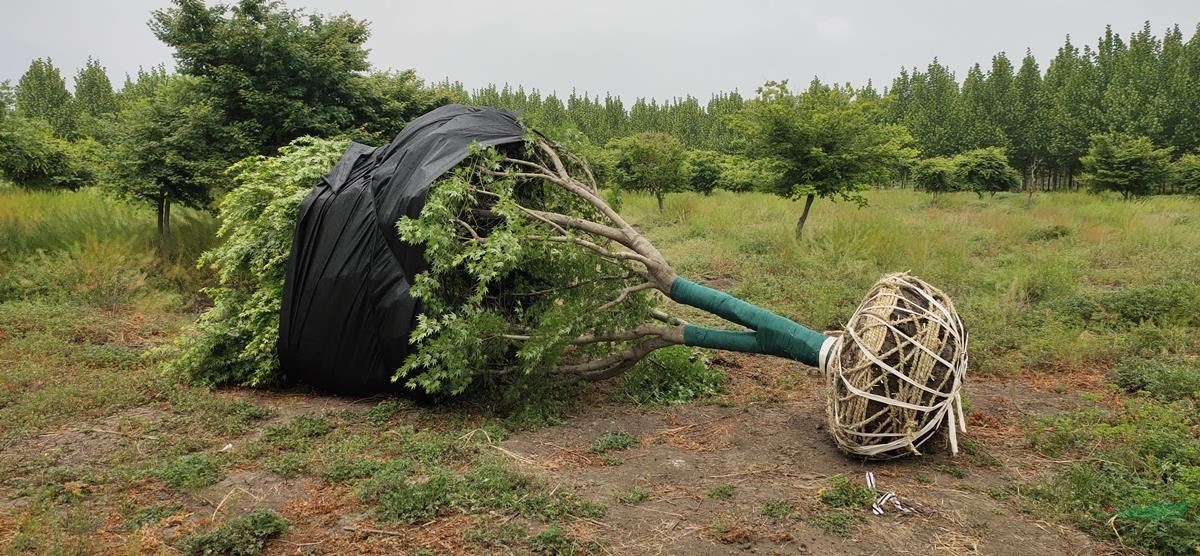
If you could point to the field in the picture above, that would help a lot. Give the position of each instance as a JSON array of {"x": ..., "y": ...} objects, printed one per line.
[{"x": 1084, "y": 314}]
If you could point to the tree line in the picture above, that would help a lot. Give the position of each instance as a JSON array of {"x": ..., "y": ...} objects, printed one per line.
[{"x": 253, "y": 76}]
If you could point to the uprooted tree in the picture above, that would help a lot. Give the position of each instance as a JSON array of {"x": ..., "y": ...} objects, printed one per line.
[{"x": 531, "y": 272}]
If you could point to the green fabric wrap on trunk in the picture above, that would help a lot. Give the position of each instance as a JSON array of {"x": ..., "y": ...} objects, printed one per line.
[{"x": 771, "y": 334}]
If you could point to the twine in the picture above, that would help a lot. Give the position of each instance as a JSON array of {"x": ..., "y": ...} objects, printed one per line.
[{"x": 896, "y": 371}]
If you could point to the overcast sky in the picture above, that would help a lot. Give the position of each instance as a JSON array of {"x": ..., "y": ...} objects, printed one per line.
[{"x": 638, "y": 48}]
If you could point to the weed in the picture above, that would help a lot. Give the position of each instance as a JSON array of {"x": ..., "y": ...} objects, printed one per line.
[
  {"x": 613, "y": 441},
  {"x": 347, "y": 470},
  {"x": 723, "y": 492},
  {"x": 611, "y": 461},
  {"x": 246, "y": 535},
  {"x": 287, "y": 465},
  {"x": 841, "y": 524},
  {"x": 1048, "y": 233},
  {"x": 953, "y": 469},
  {"x": 152, "y": 514},
  {"x": 383, "y": 412},
  {"x": 190, "y": 472},
  {"x": 673, "y": 375},
  {"x": 301, "y": 428},
  {"x": 635, "y": 495},
  {"x": 779, "y": 509},
  {"x": 1165, "y": 379},
  {"x": 558, "y": 543},
  {"x": 505, "y": 536},
  {"x": 844, "y": 494}
]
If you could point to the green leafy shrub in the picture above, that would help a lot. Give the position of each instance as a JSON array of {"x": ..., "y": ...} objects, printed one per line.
[
  {"x": 234, "y": 341},
  {"x": 672, "y": 375},
  {"x": 1160, "y": 304},
  {"x": 985, "y": 170},
  {"x": 246, "y": 535},
  {"x": 1166, "y": 380}
]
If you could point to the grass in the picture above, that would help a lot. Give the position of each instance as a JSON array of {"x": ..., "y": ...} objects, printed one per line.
[{"x": 1071, "y": 281}]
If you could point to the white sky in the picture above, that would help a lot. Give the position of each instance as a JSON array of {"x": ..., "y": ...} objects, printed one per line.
[{"x": 632, "y": 48}]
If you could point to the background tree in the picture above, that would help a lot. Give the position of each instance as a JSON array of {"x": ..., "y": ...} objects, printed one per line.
[
  {"x": 649, "y": 161},
  {"x": 935, "y": 175},
  {"x": 1185, "y": 174},
  {"x": 985, "y": 170},
  {"x": 1127, "y": 164},
  {"x": 1030, "y": 114},
  {"x": 8, "y": 99},
  {"x": 42, "y": 93},
  {"x": 95, "y": 100},
  {"x": 172, "y": 147},
  {"x": 826, "y": 144},
  {"x": 94, "y": 91},
  {"x": 273, "y": 74},
  {"x": 702, "y": 169}
]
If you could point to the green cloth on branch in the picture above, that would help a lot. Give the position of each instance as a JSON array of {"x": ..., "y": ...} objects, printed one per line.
[
  {"x": 1156, "y": 512},
  {"x": 769, "y": 333}
]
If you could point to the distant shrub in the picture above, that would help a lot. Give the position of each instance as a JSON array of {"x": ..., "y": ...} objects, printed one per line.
[
  {"x": 1159, "y": 304},
  {"x": 985, "y": 171},
  {"x": 1048, "y": 233},
  {"x": 935, "y": 175},
  {"x": 1185, "y": 174},
  {"x": 32, "y": 157}
]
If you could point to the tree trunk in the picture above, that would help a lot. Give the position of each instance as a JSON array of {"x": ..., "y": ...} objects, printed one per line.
[
  {"x": 164, "y": 215},
  {"x": 659, "y": 196},
  {"x": 804, "y": 215}
]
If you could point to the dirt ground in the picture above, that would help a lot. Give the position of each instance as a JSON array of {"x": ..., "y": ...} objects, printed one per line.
[{"x": 765, "y": 443}]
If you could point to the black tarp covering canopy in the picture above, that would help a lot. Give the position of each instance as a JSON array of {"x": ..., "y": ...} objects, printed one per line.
[{"x": 347, "y": 313}]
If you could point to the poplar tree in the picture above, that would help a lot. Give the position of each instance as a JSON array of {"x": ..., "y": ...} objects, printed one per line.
[{"x": 42, "y": 93}]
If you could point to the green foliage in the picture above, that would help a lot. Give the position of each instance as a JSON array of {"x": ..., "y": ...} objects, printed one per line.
[
  {"x": 985, "y": 170},
  {"x": 1165, "y": 379},
  {"x": 1185, "y": 174},
  {"x": 649, "y": 161},
  {"x": 33, "y": 158},
  {"x": 234, "y": 341},
  {"x": 190, "y": 472},
  {"x": 613, "y": 441},
  {"x": 1127, "y": 164},
  {"x": 723, "y": 492},
  {"x": 935, "y": 175},
  {"x": 245, "y": 535},
  {"x": 842, "y": 493},
  {"x": 510, "y": 302},
  {"x": 827, "y": 143},
  {"x": 672, "y": 375},
  {"x": 779, "y": 509},
  {"x": 703, "y": 170},
  {"x": 1139, "y": 457},
  {"x": 42, "y": 94},
  {"x": 636, "y": 495},
  {"x": 554, "y": 541},
  {"x": 94, "y": 94}
]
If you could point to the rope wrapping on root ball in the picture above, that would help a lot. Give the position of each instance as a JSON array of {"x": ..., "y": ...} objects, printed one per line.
[{"x": 896, "y": 371}]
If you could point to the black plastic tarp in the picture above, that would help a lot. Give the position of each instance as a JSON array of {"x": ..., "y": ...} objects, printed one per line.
[{"x": 347, "y": 312}]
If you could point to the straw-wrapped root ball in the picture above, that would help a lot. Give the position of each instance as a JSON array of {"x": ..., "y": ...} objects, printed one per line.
[{"x": 895, "y": 374}]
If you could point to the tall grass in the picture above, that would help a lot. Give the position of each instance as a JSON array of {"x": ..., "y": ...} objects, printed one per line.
[
  {"x": 93, "y": 237},
  {"x": 1033, "y": 282}
]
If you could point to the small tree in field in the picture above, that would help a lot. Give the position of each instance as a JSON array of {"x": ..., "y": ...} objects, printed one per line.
[
  {"x": 649, "y": 161},
  {"x": 172, "y": 148},
  {"x": 935, "y": 175},
  {"x": 1185, "y": 174},
  {"x": 703, "y": 170},
  {"x": 985, "y": 171},
  {"x": 1127, "y": 164},
  {"x": 829, "y": 144}
]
